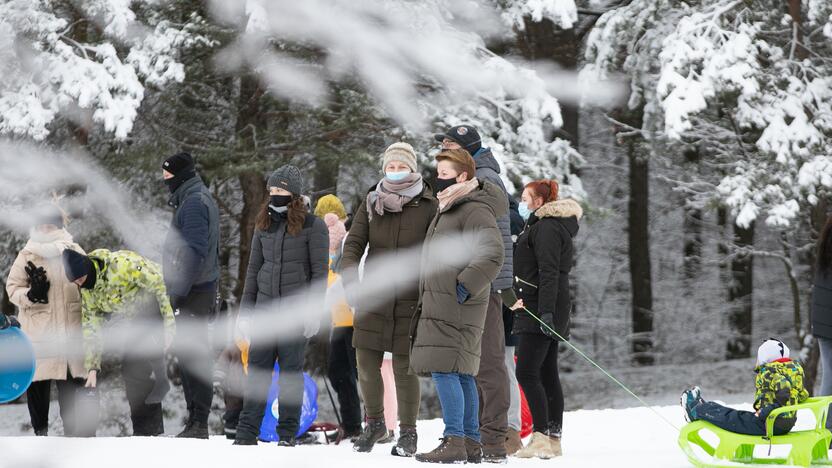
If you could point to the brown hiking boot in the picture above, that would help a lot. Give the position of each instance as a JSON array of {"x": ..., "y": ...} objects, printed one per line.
[
  {"x": 474, "y": 450},
  {"x": 494, "y": 453},
  {"x": 375, "y": 431},
  {"x": 451, "y": 450},
  {"x": 513, "y": 441}
]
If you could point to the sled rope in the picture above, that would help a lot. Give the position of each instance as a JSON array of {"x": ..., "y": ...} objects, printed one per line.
[{"x": 610, "y": 376}]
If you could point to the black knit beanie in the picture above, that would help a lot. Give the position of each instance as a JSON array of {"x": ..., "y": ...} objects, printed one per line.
[{"x": 77, "y": 265}]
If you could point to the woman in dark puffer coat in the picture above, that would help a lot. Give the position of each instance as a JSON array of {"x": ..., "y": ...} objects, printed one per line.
[
  {"x": 454, "y": 296},
  {"x": 542, "y": 261},
  {"x": 289, "y": 259}
]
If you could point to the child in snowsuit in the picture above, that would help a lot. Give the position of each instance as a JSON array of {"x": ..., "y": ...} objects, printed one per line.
[{"x": 779, "y": 382}]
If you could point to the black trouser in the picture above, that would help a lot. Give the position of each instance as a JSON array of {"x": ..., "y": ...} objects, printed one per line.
[
  {"x": 343, "y": 375},
  {"x": 537, "y": 372},
  {"x": 195, "y": 352},
  {"x": 37, "y": 398},
  {"x": 143, "y": 345},
  {"x": 739, "y": 422},
  {"x": 261, "y": 358}
]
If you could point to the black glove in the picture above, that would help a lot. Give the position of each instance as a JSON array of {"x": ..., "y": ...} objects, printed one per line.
[
  {"x": 548, "y": 330},
  {"x": 38, "y": 284}
]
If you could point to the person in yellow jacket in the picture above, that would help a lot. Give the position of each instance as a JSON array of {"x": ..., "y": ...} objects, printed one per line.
[
  {"x": 342, "y": 371},
  {"x": 125, "y": 287}
]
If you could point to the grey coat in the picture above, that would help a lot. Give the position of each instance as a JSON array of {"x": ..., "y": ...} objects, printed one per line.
[
  {"x": 447, "y": 335},
  {"x": 282, "y": 265},
  {"x": 488, "y": 169}
]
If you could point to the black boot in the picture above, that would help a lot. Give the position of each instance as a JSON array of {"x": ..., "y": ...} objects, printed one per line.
[
  {"x": 375, "y": 430},
  {"x": 245, "y": 442},
  {"x": 406, "y": 446},
  {"x": 194, "y": 430},
  {"x": 287, "y": 442}
]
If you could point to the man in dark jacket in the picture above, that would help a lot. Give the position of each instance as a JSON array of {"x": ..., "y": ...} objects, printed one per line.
[
  {"x": 191, "y": 271},
  {"x": 493, "y": 376}
]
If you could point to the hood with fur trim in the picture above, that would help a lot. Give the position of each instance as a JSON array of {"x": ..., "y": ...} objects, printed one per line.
[{"x": 567, "y": 211}]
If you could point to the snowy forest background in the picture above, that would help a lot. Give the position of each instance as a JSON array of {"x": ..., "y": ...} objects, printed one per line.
[{"x": 696, "y": 134}]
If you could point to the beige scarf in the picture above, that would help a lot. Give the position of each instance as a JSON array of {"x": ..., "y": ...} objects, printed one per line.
[{"x": 453, "y": 193}]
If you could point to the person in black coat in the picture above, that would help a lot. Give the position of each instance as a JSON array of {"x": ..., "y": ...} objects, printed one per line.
[
  {"x": 191, "y": 271},
  {"x": 289, "y": 262},
  {"x": 822, "y": 306},
  {"x": 542, "y": 260}
]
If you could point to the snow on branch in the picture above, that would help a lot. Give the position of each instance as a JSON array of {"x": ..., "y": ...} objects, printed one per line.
[{"x": 48, "y": 71}]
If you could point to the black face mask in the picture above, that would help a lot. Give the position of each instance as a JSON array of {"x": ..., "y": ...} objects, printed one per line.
[
  {"x": 442, "y": 184},
  {"x": 280, "y": 200},
  {"x": 176, "y": 181}
]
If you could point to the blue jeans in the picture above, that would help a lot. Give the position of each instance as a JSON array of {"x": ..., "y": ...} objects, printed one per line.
[{"x": 460, "y": 404}]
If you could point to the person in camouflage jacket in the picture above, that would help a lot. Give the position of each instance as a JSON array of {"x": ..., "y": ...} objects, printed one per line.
[
  {"x": 118, "y": 287},
  {"x": 779, "y": 382}
]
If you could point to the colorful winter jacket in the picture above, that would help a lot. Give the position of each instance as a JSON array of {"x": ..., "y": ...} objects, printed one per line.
[
  {"x": 779, "y": 383},
  {"x": 122, "y": 278}
]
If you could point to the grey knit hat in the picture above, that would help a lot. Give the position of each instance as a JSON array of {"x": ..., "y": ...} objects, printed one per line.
[
  {"x": 287, "y": 178},
  {"x": 402, "y": 152}
]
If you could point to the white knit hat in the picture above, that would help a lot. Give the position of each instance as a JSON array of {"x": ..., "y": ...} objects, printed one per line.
[
  {"x": 402, "y": 152},
  {"x": 771, "y": 350}
]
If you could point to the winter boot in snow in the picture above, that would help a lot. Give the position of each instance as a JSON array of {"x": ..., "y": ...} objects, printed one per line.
[
  {"x": 555, "y": 433},
  {"x": 690, "y": 398},
  {"x": 513, "y": 441},
  {"x": 194, "y": 430},
  {"x": 451, "y": 450},
  {"x": 391, "y": 437},
  {"x": 375, "y": 431},
  {"x": 245, "y": 442},
  {"x": 494, "y": 453},
  {"x": 539, "y": 447},
  {"x": 42, "y": 432},
  {"x": 406, "y": 446},
  {"x": 287, "y": 442},
  {"x": 473, "y": 450}
]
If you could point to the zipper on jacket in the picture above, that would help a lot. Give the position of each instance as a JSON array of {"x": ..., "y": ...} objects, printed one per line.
[{"x": 520, "y": 280}]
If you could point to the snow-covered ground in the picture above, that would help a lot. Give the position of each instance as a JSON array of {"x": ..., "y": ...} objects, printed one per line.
[{"x": 593, "y": 438}]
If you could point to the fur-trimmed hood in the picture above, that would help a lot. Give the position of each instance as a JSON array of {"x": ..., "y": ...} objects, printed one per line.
[
  {"x": 566, "y": 211},
  {"x": 560, "y": 209}
]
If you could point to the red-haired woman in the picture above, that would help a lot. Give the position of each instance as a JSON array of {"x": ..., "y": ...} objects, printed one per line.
[{"x": 542, "y": 260}]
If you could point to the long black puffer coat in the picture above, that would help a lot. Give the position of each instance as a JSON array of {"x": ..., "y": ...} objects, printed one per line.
[{"x": 542, "y": 261}]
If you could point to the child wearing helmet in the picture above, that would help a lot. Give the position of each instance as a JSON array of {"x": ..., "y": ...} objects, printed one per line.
[{"x": 778, "y": 382}]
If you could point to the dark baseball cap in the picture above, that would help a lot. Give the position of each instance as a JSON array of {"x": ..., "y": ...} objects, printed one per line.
[{"x": 465, "y": 135}]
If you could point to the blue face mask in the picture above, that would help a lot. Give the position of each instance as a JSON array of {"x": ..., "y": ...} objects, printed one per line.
[
  {"x": 396, "y": 176},
  {"x": 524, "y": 210}
]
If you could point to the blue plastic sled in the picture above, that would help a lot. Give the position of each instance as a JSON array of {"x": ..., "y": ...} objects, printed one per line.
[
  {"x": 17, "y": 364},
  {"x": 308, "y": 411}
]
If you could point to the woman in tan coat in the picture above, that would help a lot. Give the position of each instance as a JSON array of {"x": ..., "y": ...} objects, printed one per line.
[{"x": 50, "y": 315}]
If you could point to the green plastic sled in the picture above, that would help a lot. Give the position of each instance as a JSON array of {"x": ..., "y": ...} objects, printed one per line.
[{"x": 807, "y": 448}]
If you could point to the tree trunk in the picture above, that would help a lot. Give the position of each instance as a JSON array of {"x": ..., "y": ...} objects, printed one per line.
[
  {"x": 740, "y": 296},
  {"x": 639, "y": 251},
  {"x": 250, "y": 122},
  {"x": 545, "y": 41},
  {"x": 692, "y": 228},
  {"x": 810, "y": 365}
]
